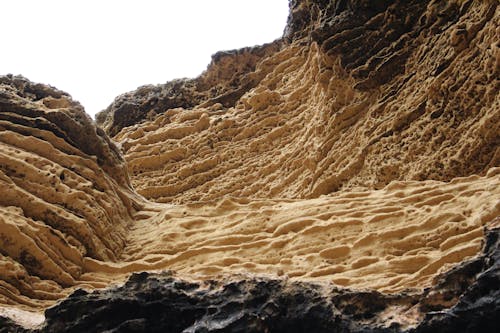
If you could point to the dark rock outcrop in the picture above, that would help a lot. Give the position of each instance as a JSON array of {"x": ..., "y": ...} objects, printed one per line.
[{"x": 478, "y": 306}]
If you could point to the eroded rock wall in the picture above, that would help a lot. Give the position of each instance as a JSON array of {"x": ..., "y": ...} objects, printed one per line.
[
  {"x": 165, "y": 303},
  {"x": 355, "y": 159},
  {"x": 230, "y": 75},
  {"x": 363, "y": 93},
  {"x": 65, "y": 193}
]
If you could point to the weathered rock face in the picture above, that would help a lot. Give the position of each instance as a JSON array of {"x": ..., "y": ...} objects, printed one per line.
[
  {"x": 64, "y": 189},
  {"x": 162, "y": 303},
  {"x": 342, "y": 178},
  {"x": 364, "y": 93},
  {"x": 230, "y": 75}
]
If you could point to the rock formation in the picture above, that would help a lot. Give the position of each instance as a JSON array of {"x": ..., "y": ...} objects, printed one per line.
[
  {"x": 345, "y": 177},
  {"x": 229, "y": 76},
  {"x": 163, "y": 303},
  {"x": 66, "y": 194},
  {"x": 336, "y": 113}
]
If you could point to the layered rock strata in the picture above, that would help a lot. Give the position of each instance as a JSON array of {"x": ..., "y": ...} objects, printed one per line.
[
  {"x": 65, "y": 194},
  {"x": 228, "y": 77},
  {"x": 341, "y": 178},
  {"x": 364, "y": 93}
]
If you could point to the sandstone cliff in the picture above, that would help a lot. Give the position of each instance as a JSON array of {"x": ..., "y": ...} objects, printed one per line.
[
  {"x": 66, "y": 194},
  {"x": 359, "y": 95},
  {"x": 343, "y": 177}
]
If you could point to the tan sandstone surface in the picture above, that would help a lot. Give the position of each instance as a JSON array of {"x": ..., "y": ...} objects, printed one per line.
[{"x": 317, "y": 169}]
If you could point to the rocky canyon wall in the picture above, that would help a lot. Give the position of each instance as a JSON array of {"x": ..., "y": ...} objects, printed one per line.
[
  {"x": 65, "y": 193},
  {"x": 342, "y": 178},
  {"x": 359, "y": 95}
]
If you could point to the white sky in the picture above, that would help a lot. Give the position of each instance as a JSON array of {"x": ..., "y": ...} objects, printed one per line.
[{"x": 98, "y": 49}]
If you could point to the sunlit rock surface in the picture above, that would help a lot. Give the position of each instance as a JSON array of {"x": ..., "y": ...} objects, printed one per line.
[{"x": 343, "y": 178}]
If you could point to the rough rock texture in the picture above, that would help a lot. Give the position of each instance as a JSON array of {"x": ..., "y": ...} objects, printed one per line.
[
  {"x": 390, "y": 240},
  {"x": 343, "y": 176},
  {"x": 371, "y": 93},
  {"x": 162, "y": 303},
  {"x": 64, "y": 189}
]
